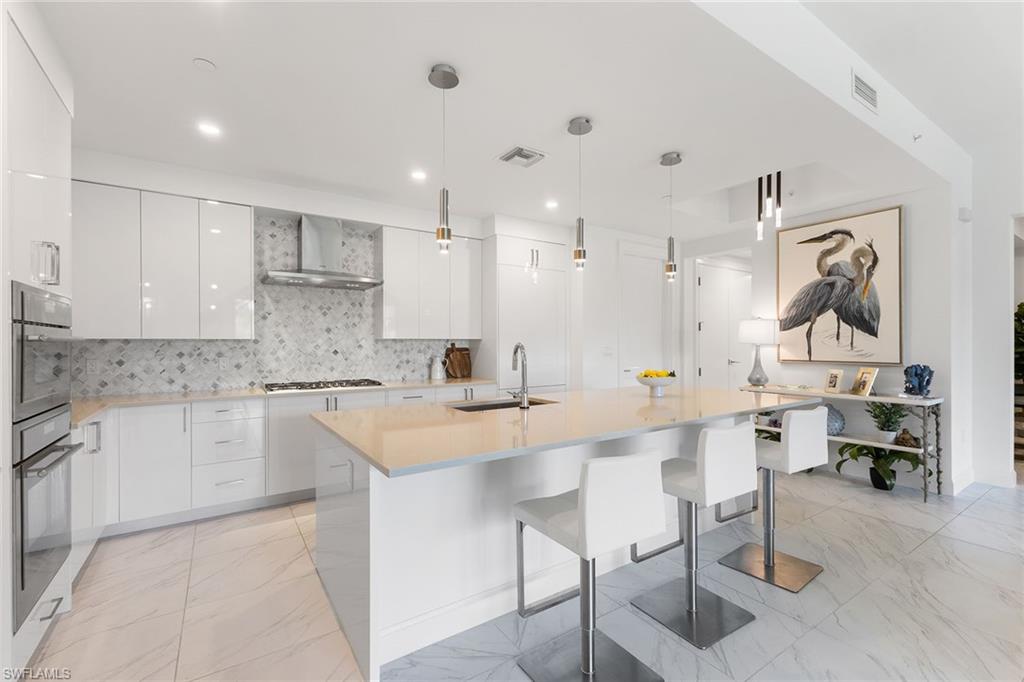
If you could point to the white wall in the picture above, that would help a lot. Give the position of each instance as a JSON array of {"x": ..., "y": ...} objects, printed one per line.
[
  {"x": 928, "y": 322},
  {"x": 113, "y": 169}
]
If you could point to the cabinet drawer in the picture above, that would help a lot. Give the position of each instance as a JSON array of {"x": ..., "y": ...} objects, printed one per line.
[
  {"x": 523, "y": 252},
  {"x": 361, "y": 399},
  {"x": 227, "y": 441},
  {"x": 450, "y": 394},
  {"x": 410, "y": 395},
  {"x": 228, "y": 482},
  {"x": 224, "y": 410}
]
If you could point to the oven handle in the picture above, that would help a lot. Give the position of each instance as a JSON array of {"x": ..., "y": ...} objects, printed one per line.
[{"x": 55, "y": 455}]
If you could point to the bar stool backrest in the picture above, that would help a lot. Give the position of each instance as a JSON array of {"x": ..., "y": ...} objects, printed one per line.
[
  {"x": 804, "y": 439},
  {"x": 621, "y": 501},
  {"x": 726, "y": 462}
]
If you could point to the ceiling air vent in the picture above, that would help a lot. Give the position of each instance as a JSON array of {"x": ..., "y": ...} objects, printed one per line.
[
  {"x": 864, "y": 93},
  {"x": 522, "y": 156}
]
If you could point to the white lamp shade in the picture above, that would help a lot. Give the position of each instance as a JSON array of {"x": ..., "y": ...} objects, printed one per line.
[{"x": 760, "y": 332}]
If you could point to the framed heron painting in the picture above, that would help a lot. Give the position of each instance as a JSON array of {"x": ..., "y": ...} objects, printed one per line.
[{"x": 840, "y": 290}]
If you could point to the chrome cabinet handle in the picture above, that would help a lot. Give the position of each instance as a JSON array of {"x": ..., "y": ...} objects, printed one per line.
[
  {"x": 42, "y": 338},
  {"x": 55, "y": 263},
  {"x": 734, "y": 362},
  {"x": 232, "y": 409},
  {"x": 538, "y": 258},
  {"x": 96, "y": 437},
  {"x": 229, "y": 442},
  {"x": 412, "y": 397},
  {"x": 184, "y": 419},
  {"x": 472, "y": 394},
  {"x": 335, "y": 403},
  {"x": 226, "y": 483}
]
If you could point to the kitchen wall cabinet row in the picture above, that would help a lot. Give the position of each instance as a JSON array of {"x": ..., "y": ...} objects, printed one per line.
[
  {"x": 160, "y": 266},
  {"x": 156, "y": 461},
  {"x": 38, "y": 165},
  {"x": 426, "y": 294}
]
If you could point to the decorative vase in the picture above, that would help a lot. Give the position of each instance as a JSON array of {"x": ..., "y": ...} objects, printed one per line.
[
  {"x": 887, "y": 436},
  {"x": 917, "y": 379},
  {"x": 880, "y": 483},
  {"x": 836, "y": 422}
]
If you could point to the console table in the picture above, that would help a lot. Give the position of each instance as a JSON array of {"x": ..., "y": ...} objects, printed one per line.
[{"x": 928, "y": 409}]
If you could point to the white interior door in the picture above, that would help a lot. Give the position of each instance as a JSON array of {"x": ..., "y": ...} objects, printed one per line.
[
  {"x": 643, "y": 318},
  {"x": 723, "y": 299}
]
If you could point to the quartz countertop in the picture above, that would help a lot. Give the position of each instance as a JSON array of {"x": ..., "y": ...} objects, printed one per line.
[
  {"x": 410, "y": 439},
  {"x": 87, "y": 407}
]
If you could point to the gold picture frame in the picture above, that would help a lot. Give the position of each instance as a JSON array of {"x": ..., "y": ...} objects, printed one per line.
[{"x": 864, "y": 380}]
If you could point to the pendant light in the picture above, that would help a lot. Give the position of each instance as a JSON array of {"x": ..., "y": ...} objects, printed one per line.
[
  {"x": 778, "y": 199},
  {"x": 760, "y": 208},
  {"x": 443, "y": 77},
  {"x": 579, "y": 127},
  {"x": 668, "y": 160},
  {"x": 769, "y": 205}
]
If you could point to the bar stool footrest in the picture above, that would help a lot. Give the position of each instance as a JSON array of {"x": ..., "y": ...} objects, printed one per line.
[
  {"x": 714, "y": 619},
  {"x": 559, "y": 660},
  {"x": 546, "y": 603},
  {"x": 789, "y": 572}
]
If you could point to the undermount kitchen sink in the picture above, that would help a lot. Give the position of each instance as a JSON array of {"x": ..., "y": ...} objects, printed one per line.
[{"x": 503, "y": 404}]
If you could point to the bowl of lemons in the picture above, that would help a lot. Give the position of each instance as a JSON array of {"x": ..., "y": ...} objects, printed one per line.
[{"x": 656, "y": 380}]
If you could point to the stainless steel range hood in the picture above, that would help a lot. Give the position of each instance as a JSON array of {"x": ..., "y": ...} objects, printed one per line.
[{"x": 321, "y": 250}]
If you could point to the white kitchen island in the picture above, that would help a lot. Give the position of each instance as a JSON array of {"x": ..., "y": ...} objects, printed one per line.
[{"x": 415, "y": 537}]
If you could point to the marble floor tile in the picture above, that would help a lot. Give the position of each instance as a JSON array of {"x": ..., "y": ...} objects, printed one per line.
[
  {"x": 906, "y": 507},
  {"x": 229, "y": 631},
  {"x": 900, "y": 632},
  {"x": 509, "y": 671},
  {"x": 327, "y": 657},
  {"x": 243, "y": 530},
  {"x": 142, "y": 551},
  {"x": 975, "y": 563},
  {"x": 248, "y": 569},
  {"x": 885, "y": 536},
  {"x": 304, "y": 508},
  {"x": 974, "y": 491},
  {"x": 998, "y": 509},
  {"x": 656, "y": 647},
  {"x": 145, "y": 650},
  {"x": 714, "y": 544},
  {"x": 527, "y": 633},
  {"x": 628, "y": 581},
  {"x": 122, "y": 597},
  {"x": 460, "y": 657},
  {"x": 821, "y": 486},
  {"x": 1011, "y": 496},
  {"x": 986, "y": 533}
]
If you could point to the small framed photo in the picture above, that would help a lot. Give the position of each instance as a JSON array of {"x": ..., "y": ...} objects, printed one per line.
[
  {"x": 832, "y": 380},
  {"x": 864, "y": 381}
]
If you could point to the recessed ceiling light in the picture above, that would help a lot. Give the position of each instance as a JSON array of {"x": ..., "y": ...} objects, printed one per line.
[
  {"x": 208, "y": 129},
  {"x": 203, "y": 64},
  {"x": 551, "y": 204},
  {"x": 418, "y": 175}
]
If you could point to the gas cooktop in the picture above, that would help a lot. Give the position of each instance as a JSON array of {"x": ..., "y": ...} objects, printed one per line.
[{"x": 320, "y": 385}]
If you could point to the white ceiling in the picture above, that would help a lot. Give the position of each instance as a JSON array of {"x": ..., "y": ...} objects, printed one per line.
[
  {"x": 334, "y": 96},
  {"x": 961, "y": 63}
]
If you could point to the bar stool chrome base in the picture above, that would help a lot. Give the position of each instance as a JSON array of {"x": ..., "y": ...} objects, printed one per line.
[
  {"x": 714, "y": 619},
  {"x": 789, "y": 572},
  {"x": 559, "y": 660}
]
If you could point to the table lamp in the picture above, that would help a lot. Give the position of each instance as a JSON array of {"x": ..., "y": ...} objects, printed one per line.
[{"x": 760, "y": 333}]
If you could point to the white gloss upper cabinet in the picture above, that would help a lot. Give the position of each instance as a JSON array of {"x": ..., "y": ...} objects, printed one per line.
[
  {"x": 397, "y": 301},
  {"x": 466, "y": 288},
  {"x": 40, "y": 230},
  {"x": 38, "y": 124},
  {"x": 532, "y": 310},
  {"x": 106, "y": 240},
  {"x": 225, "y": 271},
  {"x": 170, "y": 266},
  {"x": 434, "y": 288}
]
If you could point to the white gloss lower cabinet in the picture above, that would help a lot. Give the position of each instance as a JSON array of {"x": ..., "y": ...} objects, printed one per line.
[
  {"x": 225, "y": 271},
  {"x": 83, "y": 535},
  {"x": 228, "y": 482},
  {"x": 155, "y": 461},
  {"x": 291, "y": 448},
  {"x": 170, "y": 266},
  {"x": 101, "y": 440}
]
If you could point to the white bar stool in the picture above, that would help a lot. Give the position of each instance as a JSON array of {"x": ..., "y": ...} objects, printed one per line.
[
  {"x": 804, "y": 445},
  {"x": 725, "y": 468},
  {"x": 618, "y": 502}
]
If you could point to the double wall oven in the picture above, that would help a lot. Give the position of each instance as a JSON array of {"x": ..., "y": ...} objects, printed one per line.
[{"x": 41, "y": 413}]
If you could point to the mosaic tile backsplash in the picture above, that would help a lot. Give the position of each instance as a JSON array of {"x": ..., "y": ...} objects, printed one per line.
[{"x": 301, "y": 334}]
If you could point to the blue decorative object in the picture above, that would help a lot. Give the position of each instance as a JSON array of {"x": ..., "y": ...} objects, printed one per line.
[
  {"x": 917, "y": 379},
  {"x": 836, "y": 422}
]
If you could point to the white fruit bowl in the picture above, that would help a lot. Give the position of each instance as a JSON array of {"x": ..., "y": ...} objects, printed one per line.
[{"x": 656, "y": 384}]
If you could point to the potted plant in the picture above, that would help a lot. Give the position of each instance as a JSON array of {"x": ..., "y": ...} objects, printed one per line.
[
  {"x": 883, "y": 477},
  {"x": 888, "y": 418}
]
